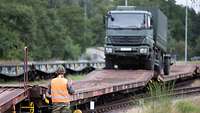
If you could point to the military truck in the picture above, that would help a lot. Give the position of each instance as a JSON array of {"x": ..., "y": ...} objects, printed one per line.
[{"x": 136, "y": 37}]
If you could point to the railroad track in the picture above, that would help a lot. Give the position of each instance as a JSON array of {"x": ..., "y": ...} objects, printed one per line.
[
  {"x": 130, "y": 101},
  {"x": 116, "y": 85}
]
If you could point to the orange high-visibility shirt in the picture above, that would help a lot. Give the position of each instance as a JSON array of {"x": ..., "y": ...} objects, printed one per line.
[{"x": 59, "y": 91}]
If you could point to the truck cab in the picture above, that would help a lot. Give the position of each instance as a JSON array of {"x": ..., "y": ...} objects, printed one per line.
[
  {"x": 129, "y": 33},
  {"x": 134, "y": 38}
]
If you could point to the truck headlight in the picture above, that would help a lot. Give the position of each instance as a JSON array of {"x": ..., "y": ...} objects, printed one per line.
[
  {"x": 144, "y": 50},
  {"x": 108, "y": 50}
]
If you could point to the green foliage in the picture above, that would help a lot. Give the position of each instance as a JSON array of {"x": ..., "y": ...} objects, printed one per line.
[
  {"x": 76, "y": 77},
  {"x": 187, "y": 107},
  {"x": 62, "y": 29},
  {"x": 74, "y": 19},
  {"x": 51, "y": 29},
  {"x": 160, "y": 90},
  {"x": 10, "y": 44},
  {"x": 197, "y": 47},
  {"x": 161, "y": 102}
]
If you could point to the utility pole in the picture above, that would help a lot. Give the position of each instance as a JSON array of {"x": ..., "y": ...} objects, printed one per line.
[
  {"x": 85, "y": 9},
  {"x": 85, "y": 17},
  {"x": 126, "y": 2},
  {"x": 25, "y": 68},
  {"x": 186, "y": 29}
]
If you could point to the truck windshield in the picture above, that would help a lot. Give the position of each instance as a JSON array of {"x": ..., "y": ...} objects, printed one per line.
[{"x": 126, "y": 20}]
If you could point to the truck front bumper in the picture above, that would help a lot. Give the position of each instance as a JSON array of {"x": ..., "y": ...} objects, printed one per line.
[{"x": 127, "y": 50}]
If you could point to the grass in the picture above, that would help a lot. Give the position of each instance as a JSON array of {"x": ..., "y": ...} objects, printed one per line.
[
  {"x": 191, "y": 62},
  {"x": 161, "y": 103},
  {"x": 76, "y": 77},
  {"x": 195, "y": 62},
  {"x": 187, "y": 107}
]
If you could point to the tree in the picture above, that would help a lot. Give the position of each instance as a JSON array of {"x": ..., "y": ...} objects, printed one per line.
[
  {"x": 63, "y": 29},
  {"x": 10, "y": 47}
]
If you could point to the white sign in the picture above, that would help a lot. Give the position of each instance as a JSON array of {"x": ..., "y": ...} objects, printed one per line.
[
  {"x": 91, "y": 105},
  {"x": 125, "y": 49}
]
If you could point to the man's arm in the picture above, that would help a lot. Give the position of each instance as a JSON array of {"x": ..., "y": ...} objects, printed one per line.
[
  {"x": 48, "y": 92},
  {"x": 70, "y": 88}
]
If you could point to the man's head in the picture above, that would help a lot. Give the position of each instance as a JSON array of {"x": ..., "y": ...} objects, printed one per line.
[{"x": 60, "y": 70}]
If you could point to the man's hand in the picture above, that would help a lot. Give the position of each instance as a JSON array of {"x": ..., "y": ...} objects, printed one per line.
[
  {"x": 70, "y": 82},
  {"x": 70, "y": 88},
  {"x": 45, "y": 99}
]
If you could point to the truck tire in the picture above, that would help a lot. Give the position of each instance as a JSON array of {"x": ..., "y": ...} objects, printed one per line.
[
  {"x": 166, "y": 68},
  {"x": 108, "y": 63},
  {"x": 149, "y": 64},
  {"x": 159, "y": 65}
]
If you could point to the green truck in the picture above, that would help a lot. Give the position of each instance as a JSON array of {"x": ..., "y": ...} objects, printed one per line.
[{"x": 136, "y": 38}]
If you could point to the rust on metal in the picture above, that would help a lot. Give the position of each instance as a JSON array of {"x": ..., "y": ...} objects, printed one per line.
[
  {"x": 107, "y": 81},
  {"x": 10, "y": 96}
]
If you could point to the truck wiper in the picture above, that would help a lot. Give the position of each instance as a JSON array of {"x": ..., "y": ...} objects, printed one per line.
[
  {"x": 133, "y": 27},
  {"x": 115, "y": 27},
  {"x": 119, "y": 27}
]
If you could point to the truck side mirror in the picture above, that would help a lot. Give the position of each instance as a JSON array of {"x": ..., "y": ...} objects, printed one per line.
[
  {"x": 151, "y": 23},
  {"x": 104, "y": 19},
  {"x": 112, "y": 19},
  {"x": 110, "y": 16}
]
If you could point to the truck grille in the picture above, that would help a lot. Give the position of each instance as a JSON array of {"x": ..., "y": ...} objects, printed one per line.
[{"x": 126, "y": 40}]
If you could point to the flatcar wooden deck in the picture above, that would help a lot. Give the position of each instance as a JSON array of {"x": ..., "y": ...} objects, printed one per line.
[
  {"x": 180, "y": 71},
  {"x": 10, "y": 96},
  {"x": 98, "y": 83},
  {"x": 109, "y": 81}
]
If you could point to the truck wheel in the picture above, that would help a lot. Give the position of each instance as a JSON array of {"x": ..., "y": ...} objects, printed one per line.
[
  {"x": 108, "y": 63},
  {"x": 159, "y": 65},
  {"x": 149, "y": 65},
  {"x": 158, "y": 69},
  {"x": 166, "y": 68}
]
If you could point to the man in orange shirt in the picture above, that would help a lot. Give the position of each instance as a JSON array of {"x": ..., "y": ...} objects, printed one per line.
[{"x": 60, "y": 90}]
